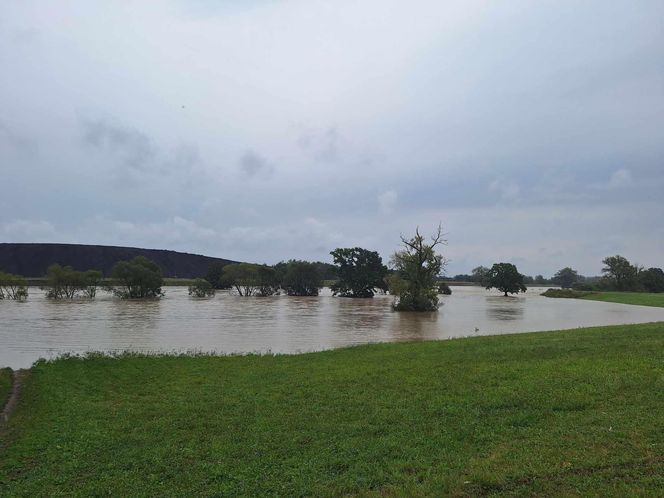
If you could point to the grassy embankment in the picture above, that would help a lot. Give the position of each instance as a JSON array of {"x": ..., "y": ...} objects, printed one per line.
[
  {"x": 5, "y": 385},
  {"x": 562, "y": 413},
  {"x": 639, "y": 298}
]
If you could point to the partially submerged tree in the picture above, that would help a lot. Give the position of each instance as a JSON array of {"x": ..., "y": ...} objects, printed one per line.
[
  {"x": 250, "y": 279},
  {"x": 301, "y": 278},
  {"x": 361, "y": 272},
  {"x": 506, "y": 278},
  {"x": 13, "y": 287},
  {"x": 444, "y": 289},
  {"x": 416, "y": 270},
  {"x": 136, "y": 279},
  {"x": 566, "y": 277},
  {"x": 63, "y": 282},
  {"x": 201, "y": 288},
  {"x": 215, "y": 275}
]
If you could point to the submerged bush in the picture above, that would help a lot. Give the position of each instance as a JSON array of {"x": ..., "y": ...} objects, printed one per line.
[
  {"x": 201, "y": 288},
  {"x": 565, "y": 293},
  {"x": 136, "y": 279},
  {"x": 251, "y": 280},
  {"x": 13, "y": 287},
  {"x": 301, "y": 278},
  {"x": 444, "y": 289},
  {"x": 67, "y": 283}
]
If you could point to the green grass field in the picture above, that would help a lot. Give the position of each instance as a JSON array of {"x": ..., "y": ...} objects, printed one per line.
[
  {"x": 638, "y": 298},
  {"x": 5, "y": 385},
  {"x": 547, "y": 414}
]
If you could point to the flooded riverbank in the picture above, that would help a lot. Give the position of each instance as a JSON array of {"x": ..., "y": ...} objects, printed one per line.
[{"x": 281, "y": 324}]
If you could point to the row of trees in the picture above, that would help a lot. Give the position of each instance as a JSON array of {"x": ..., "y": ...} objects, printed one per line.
[
  {"x": 479, "y": 276},
  {"x": 357, "y": 273},
  {"x": 618, "y": 274}
]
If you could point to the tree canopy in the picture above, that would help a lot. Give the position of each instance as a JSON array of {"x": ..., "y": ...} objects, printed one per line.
[
  {"x": 652, "y": 279},
  {"x": 201, "y": 288},
  {"x": 565, "y": 277},
  {"x": 300, "y": 278},
  {"x": 619, "y": 273},
  {"x": 250, "y": 279},
  {"x": 135, "y": 279},
  {"x": 63, "y": 282},
  {"x": 360, "y": 272},
  {"x": 417, "y": 267},
  {"x": 13, "y": 287},
  {"x": 506, "y": 278}
]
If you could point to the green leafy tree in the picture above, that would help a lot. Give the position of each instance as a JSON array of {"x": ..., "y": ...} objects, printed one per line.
[
  {"x": 250, "y": 279},
  {"x": 652, "y": 279},
  {"x": 416, "y": 270},
  {"x": 479, "y": 275},
  {"x": 301, "y": 278},
  {"x": 360, "y": 272},
  {"x": 63, "y": 282},
  {"x": 619, "y": 273},
  {"x": 506, "y": 278},
  {"x": 92, "y": 279},
  {"x": 566, "y": 277},
  {"x": 201, "y": 288},
  {"x": 136, "y": 279},
  {"x": 13, "y": 287},
  {"x": 215, "y": 275}
]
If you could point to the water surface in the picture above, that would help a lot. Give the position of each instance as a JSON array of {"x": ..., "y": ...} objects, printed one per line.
[{"x": 42, "y": 328}]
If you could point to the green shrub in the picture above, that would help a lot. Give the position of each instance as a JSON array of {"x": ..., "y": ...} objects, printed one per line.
[{"x": 201, "y": 288}]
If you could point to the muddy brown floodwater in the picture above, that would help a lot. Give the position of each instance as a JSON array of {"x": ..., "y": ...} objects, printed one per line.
[{"x": 42, "y": 328}]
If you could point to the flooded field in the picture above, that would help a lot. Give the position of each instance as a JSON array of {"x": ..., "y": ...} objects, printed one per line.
[{"x": 281, "y": 324}]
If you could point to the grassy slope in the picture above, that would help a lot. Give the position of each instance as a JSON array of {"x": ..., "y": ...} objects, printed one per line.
[
  {"x": 641, "y": 298},
  {"x": 5, "y": 385},
  {"x": 574, "y": 412}
]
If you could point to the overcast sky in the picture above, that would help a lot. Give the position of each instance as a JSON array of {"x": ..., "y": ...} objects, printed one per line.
[{"x": 268, "y": 130}]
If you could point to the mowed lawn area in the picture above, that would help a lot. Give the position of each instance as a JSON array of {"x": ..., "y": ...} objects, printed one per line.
[{"x": 551, "y": 414}]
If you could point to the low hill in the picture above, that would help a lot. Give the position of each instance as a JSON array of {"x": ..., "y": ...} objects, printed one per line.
[{"x": 32, "y": 260}]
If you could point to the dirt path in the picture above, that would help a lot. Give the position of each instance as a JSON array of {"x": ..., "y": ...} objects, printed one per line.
[{"x": 18, "y": 380}]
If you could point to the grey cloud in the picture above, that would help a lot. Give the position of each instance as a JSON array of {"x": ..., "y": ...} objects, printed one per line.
[
  {"x": 252, "y": 164},
  {"x": 16, "y": 141},
  {"x": 505, "y": 120},
  {"x": 133, "y": 147},
  {"x": 322, "y": 145}
]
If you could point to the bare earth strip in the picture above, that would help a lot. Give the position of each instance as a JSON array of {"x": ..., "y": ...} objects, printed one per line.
[{"x": 18, "y": 380}]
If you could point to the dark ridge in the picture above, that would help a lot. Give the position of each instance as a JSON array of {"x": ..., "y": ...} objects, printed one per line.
[{"x": 32, "y": 260}]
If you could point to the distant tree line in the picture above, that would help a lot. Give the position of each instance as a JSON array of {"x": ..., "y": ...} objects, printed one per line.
[{"x": 414, "y": 277}]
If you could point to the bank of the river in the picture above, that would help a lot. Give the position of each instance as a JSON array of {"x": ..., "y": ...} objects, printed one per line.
[
  {"x": 5, "y": 385},
  {"x": 560, "y": 413},
  {"x": 638, "y": 298}
]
